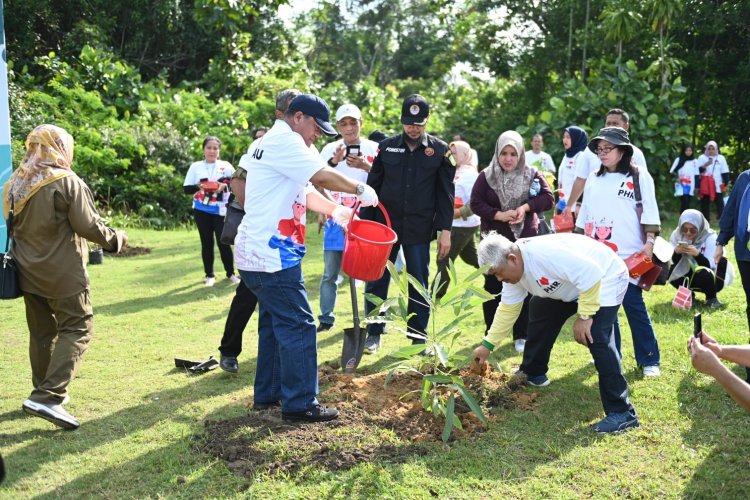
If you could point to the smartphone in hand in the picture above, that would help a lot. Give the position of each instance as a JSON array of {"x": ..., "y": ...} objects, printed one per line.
[
  {"x": 352, "y": 150},
  {"x": 697, "y": 326}
]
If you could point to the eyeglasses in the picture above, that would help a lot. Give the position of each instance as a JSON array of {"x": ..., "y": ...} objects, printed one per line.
[
  {"x": 689, "y": 230},
  {"x": 604, "y": 150}
]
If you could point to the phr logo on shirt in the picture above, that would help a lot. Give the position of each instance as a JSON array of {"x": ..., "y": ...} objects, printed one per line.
[
  {"x": 547, "y": 285},
  {"x": 626, "y": 190}
]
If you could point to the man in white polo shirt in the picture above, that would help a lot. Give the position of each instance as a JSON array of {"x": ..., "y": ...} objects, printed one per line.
[
  {"x": 269, "y": 248},
  {"x": 352, "y": 156},
  {"x": 566, "y": 274}
]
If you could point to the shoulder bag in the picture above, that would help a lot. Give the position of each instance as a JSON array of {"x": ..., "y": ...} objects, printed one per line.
[
  {"x": 9, "y": 284},
  {"x": 658, "y": 274}
]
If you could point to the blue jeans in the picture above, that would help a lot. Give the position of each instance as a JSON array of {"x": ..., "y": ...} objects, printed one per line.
[
  {"x": 287, "y": 367},
  {"x": 328, "y": 287},
  {"x": 645, "y": 346},
  {"x": 546, "y": 319},
  {"x": 417, "y": 259}
]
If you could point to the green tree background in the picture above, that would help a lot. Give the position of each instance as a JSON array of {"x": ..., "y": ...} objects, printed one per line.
[{"x": 140, "y": 83}]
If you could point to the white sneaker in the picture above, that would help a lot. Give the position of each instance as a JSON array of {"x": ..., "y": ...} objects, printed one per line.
[
  {"x": 210, "y": 280},
  {"x": 234, "y": 279},
  {"x": 66, "y": 399},
  {"x": 651, "y": 371},
  {"x": 520, "y": 345},
  {"x": 52, "y": 413}
]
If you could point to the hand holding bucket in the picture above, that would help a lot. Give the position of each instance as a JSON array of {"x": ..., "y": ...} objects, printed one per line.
[{"x": 367, "y": 246}]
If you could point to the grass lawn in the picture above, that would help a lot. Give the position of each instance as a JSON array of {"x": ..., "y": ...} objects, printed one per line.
[{"x": 140, "y": 416}]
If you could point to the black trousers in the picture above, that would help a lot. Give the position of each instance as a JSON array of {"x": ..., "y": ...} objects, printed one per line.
[
  {"x": 744, "y": 268},
  {"x": 706, "y": 206},
  {"x": 242, "y": 308},
  {"x": 210, "y": 227},
  {"x": 495, "y": 286},
  {"x": 548, "y": 317},
  {"x": 685, "y": 202},
  {"x": 704, "y": 280}
]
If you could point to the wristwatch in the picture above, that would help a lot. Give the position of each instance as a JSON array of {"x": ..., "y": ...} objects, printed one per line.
[
  {"x": 584, "y": 317},
  {"x": 331, "y": 163},
  {"x": 650, "y": 240},
  {"x": 360, "y": 188}
]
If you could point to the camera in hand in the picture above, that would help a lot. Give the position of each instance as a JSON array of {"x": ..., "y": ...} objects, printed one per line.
[{"x": 352, "y": 150}]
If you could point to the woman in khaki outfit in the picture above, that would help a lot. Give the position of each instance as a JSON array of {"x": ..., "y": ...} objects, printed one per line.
[{"x": 54, "y": 216}]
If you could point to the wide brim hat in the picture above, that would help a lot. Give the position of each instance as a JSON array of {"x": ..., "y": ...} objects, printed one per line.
[{"x": 614, "y": 135}]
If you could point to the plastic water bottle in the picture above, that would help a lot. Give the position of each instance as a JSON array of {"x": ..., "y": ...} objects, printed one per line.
[{"x": 534, "y": 189}]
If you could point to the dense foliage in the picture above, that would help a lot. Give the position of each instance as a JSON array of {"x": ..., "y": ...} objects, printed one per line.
[{"x": 139, "y": 84}]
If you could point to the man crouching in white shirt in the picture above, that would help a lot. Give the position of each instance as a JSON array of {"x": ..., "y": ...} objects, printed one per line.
[{"x": 566, "y": 274}]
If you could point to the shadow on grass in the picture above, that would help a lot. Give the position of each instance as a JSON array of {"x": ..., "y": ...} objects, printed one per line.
[
  {"x": 175, "y": 297},
  {"x": 159, "y": 405},
  {"x": 721, "y": 425}
]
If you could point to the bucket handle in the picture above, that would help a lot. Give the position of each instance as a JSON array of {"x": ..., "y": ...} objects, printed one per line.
[{"x": 355, "y": 209}]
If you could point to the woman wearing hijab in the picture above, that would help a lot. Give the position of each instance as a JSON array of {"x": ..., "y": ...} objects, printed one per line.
[
  {"x": 735, "y": 223},
  {"x": 687, "y": 175},
  {"x": 54, "y": 216},
  {"x": 714, "y": 179},
  {"x": 507, "y": 196},
  {"x": 693, "y": 260},
  {"x": 465, "y": 223},
  {"x": 574, "y": 141},
  {"x": 609, "y": 214}
]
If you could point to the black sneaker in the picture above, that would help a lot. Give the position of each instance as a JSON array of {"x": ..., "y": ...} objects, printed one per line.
[
  {"x": 266, "y": 406},
  {"x": 324, "y": 327},
  {"x": 229, "y": 364},
  {"x": 317, "y": 413}
]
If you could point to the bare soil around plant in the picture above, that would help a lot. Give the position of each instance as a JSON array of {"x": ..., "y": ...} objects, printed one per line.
[
  {"x": 377, "y": 423},
  {"x": 128, "y": 251}
]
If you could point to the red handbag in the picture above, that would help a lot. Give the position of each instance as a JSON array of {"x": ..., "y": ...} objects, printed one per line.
[
  {"x": 638, "y": 265},
  {"x": 563, "y": 223}
]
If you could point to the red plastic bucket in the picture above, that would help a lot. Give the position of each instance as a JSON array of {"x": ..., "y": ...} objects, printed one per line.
[{"x": 367, "y": 247}]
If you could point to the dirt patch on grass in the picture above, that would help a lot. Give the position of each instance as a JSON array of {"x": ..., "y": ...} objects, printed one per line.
[
  {"x": 377, "y": 423},
  {"x": 129, "y": 251}
]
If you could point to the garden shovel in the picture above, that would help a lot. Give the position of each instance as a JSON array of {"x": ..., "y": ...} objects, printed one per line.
[{"x": 354, "y": 338}]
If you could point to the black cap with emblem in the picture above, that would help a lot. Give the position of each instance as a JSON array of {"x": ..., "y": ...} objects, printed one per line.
[{"x": 415, "y": 110}]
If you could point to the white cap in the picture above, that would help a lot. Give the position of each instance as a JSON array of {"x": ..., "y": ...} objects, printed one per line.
[{"x": 348, "y": 110}]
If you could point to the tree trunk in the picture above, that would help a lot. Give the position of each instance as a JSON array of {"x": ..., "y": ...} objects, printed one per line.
[
  {"x": 585, "y": 39},
  {"x": 570, "y": 43},
  {"x": 662, "y": 62}
]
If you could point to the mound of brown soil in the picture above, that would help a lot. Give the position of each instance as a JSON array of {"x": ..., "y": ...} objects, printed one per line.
[
  {"x": 380, "y": 423},
  {"x": 128, "y": 251}
]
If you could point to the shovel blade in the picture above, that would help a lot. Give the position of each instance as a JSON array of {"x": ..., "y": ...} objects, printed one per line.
[{"x": 351, "y": 352}]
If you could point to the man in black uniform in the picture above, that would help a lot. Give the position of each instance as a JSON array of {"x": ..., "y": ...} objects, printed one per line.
[{"x": 413, "y": 177}]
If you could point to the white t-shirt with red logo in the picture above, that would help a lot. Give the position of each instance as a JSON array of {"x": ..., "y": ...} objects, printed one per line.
[
  {"x": 608, "y": 213},
  {"x": 334, "y": 234},
  {"x": 563, "y": 265},
  {"x": 566, "y": 176},
  {"x": 271, "y": 236},
  {"x": 464, "y": 182},
  {"x": 212, "y": 203}
]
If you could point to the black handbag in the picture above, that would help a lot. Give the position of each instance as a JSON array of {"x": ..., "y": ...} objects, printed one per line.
[
  {"x": 9, "y": 285},
  {"x": 232, "y": 221}
]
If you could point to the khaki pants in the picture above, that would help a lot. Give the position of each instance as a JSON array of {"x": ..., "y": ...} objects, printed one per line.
[{"x": 60, "y": 331}]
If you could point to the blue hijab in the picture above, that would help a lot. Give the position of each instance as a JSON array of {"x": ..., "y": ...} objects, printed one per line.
[{"x": 578, "y": 141}]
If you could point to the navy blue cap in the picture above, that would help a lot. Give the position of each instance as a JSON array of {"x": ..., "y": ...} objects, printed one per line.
[{"x": 314, "y": 106}]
